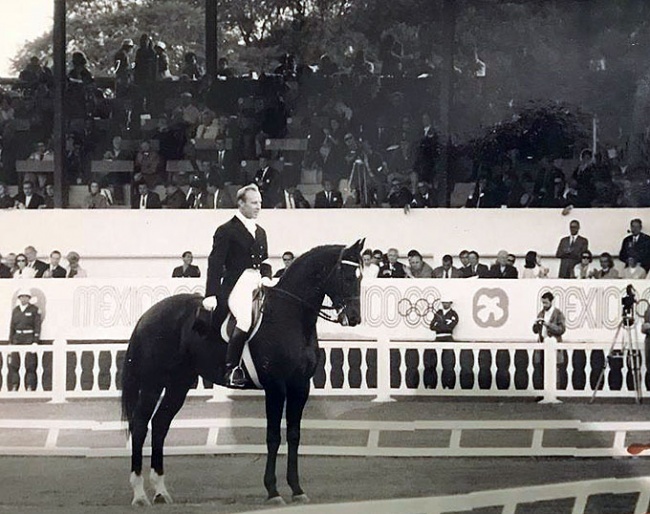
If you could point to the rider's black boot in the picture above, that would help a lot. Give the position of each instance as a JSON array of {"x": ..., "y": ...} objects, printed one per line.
[{"x": 234, "y": 373}]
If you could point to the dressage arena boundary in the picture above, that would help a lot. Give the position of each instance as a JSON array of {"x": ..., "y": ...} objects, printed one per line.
[
  {"x": 507, "y": 499},
  {"x": 448, "y": 438},
  {"x": 378, "y": 367}
]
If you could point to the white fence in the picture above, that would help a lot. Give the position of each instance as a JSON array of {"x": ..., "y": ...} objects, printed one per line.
[
  {"x": 507, "y": 499},
  {"x": 381, "y": 368}
]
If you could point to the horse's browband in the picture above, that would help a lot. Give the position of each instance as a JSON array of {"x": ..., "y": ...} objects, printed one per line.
[{"x": 350, "y": 263}]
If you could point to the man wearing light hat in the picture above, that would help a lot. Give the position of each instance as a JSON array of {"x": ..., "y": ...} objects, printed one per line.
[
  {"x": 444, "y": 321},
  {"x": 25, "y": 329}
]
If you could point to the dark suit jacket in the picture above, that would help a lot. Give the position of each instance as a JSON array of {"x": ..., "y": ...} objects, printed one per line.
[
  {"x": 398, "y": 271},
  {"x": 153, "y": 201},
  {"x": 40, "y": 267},
  {"x": 234, "y": 250},
  {"x": 508, "y": 272},
  {"x": 191, "y": 271},
  {"x": 5, "y": 272},
  {"x": 37, "y": 200},
  {"x": 175, "y": 201},
  {"x": 420, "y": 201},
  {"x": 58, "y": 272},
  {"x": 569, "y": 255},
  {"x": 440, "y": 271},
  {"x": 320, "y": 202},
  {"x": 640, "y": 250},
  {"x": 224, "y": 200},
  {"x": 270, "y": 184},
  {"x": 298, "y": 200},
  {"x": 482, "y": 271}
]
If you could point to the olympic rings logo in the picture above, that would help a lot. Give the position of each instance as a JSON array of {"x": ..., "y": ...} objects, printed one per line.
[
  {"x": 421, "y": 307},
  {"x": 391, "y": 306}
]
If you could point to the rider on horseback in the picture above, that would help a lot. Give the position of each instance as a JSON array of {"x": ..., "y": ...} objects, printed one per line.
[{"x": 236, "y": 268}]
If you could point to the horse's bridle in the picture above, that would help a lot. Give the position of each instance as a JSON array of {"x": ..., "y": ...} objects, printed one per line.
[{"x": 341, "y": 308}]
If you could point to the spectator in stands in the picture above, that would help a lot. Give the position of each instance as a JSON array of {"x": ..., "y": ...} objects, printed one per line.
[
  {"x": 74, "y": 159},
  {"x": 400, "y": 166},
  {"x": 444, "y": 321},
  {"x": 607, "y": 270},
  {"x": 417, "y": 267},
  {"x": 447, "y": 270},
  {"x": 287, "y": 260},
  {"x": 636, "y": 244},
  {"x": 633, "y": 270},
  {"x": 209, "y": 128},
  {"x": 49, "y": 197},
  {"x": 292, "y": 198},
  {"x": 225, "y": 163},
  {"x": 550, "y": 321},
  {"x": 196, "y": 194},
  {"x": 144, "y": 198},
  {"x": 6, "y": 201},
  {"x": 22, "y": 270},
  {"x": 399, "y": 195},
  {"x": 144, "y": 74},
  {"x": 570, "y": 249},
  {"x": 481, "y": 196},
  {"x": 191, "y": 68},
  {"x": 463, "y": 257},
  {"x": 24, "y": 329},
  {"x": 32, "y": 74},
  {"x": 393, "y": 268},
  {"x": 187, "y": 269},
  {"x": 512, "y": 259},
  {"x": 94, "y": 199},
  {"x": 223, "y": 71},
  {"x": 80, "y": 83},
  {"x": 328, "y": 198},
  {"x": 32, "y": 262},
  {"x": 369, "y": 269},
  {"x": 7, "y": 112},
  {"x": 378, "y": 258},
  {"x": 149, "y": 166},
  {"x": 533, "y": 267},
  {"x": 218, "y": 196},
  {"x": 502, "y": 269},
  {"x": 269, "y": 181},
  {"x": 424, "y": 197},
  {"x": 360, "y": 66},
  {"x": 584, "y": 269},
  {"x": 10, "y": 262},
  {"x": 327, "y": 67},
  {"x": 5, "y": 272},
  {"x": 55, "y": 270},
  {"x": 475, "y": 268},
  {"x": 117, "y": 152},
  {"x": 75, "y": 271},
  {"x": 122, "y": 69},
  {"x": 162, "y": 61},
  {"x": 41, "y": 153},
  {"x": 27, "y": 198},
  {"x": 584, "y": 179},
  {"x": 191, "y": 113},
  {"x": 175, "y": 198}
]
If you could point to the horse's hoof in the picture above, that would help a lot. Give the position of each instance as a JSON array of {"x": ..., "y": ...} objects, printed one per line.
[
  {"x": 160, "y": 498},
  {"x": 300, "y": 498},
  {"x": 141, "y": 501},
  {"x": 276, "y": 500}
]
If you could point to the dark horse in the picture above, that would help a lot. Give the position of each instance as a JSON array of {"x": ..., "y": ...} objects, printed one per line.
[{"x": 166, "y": 352}]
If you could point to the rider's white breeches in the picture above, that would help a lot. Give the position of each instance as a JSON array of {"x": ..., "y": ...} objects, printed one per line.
[{"x": 241, "y": 298}]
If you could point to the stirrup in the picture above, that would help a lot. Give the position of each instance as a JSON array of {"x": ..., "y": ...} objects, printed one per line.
[{"x": 236, "y": 377}]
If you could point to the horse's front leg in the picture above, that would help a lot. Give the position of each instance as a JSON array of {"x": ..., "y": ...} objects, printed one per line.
[
  {"x": 275, "y": 397},
  {"x": 296, "y": 400}
]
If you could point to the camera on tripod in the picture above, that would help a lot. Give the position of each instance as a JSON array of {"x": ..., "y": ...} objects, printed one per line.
[{"x": 628, "y": 302}]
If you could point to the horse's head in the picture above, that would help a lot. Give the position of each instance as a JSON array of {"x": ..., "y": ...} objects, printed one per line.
[{"x": 344, "y": 285}]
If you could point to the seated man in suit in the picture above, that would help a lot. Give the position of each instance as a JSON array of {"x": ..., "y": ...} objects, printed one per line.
[
  {"x": 144, "y": 198},
  {"x": 28, "y": 198},
  {"x": 292, "y": 198},
  {"x": 218, "y": 196},
  {"x": 175, "y": 198},
  {"x": 187, "y": 269},
  {"x": 475, "y": 268},
  {"x": 417, "y": 267},
  {"x": 226, "y": 163},
  {"x": 328, "y": 198},
  {"x": 287, "y": 260},
  {"x": 424, "y": 197},
  {"x": 447, "y": 270},
  {"x": 55, "y": 270},
  {"x": 32, "y": 262},
  {"x": 393, "y": 268},
  {"x": 269, "y": 182},
  {"x": 502, "y": 269}
]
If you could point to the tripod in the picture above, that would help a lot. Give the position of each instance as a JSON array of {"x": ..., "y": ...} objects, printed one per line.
[{"x": 627, "y": 351}]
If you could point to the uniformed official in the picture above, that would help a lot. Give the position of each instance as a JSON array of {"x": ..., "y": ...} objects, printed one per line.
[
  {"x": 24, "y": 329},
  {"x": 236, "y": 268}
]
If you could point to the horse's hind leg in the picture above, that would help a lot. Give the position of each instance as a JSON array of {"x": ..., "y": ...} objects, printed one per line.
[
  {"x": 141, "y": 416},
  {"x": 296, "y": 400},
  {"x": 275, "y": 397},
  {"x": 171, "y": 403}
]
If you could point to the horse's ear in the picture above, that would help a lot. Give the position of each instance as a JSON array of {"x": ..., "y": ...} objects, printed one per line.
[{"x": 358, "y": 246}]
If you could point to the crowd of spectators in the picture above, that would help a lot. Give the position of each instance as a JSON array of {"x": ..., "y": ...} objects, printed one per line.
[
  {"x": 365, "y": 130},
  {"x": 26, "y": 265}
]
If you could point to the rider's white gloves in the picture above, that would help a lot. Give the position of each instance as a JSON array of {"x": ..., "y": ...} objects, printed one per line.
[{"x": 210, "y": 303}]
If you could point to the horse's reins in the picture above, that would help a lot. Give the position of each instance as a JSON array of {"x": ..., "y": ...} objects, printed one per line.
[{"x": 319, "y": 310}]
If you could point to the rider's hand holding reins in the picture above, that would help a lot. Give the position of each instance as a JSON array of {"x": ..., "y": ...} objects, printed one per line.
[{"x": 210, "y": 303}]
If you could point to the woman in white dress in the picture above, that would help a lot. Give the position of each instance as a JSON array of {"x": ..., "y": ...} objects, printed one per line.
[
  {"x": 533, "y": 267},
  {"x": 22, "y": 271},
  {"x": 585, "y": 268}
]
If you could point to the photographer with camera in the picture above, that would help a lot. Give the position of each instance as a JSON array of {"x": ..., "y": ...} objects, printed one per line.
[{"x": 550, "y": 321}]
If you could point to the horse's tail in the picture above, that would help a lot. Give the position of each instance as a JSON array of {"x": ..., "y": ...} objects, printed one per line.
[{"x": 130, "y": 380}]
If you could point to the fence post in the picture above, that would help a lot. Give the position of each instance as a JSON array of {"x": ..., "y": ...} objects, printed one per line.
[
  {"x": 383, "y": 370},
  {"x": 550, "y": 371},
  {"x": 59, "y": 370},
  {"x": 219, "y": 394}
]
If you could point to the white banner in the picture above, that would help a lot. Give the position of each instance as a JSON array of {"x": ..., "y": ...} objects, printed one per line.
[{"x": 495, "y": 310}]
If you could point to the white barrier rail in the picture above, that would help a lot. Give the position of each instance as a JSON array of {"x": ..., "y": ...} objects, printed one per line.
[
  {"x": 381, "y": 368},
  {"x": 507, "y": 499}
]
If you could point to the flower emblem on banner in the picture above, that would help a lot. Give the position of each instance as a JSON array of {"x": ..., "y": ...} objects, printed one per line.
[{"x": 490, "y": 307}]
